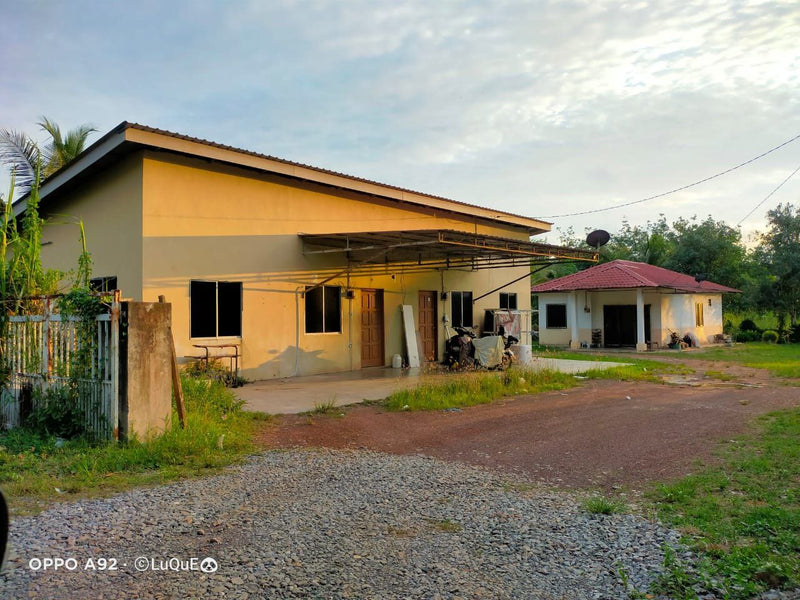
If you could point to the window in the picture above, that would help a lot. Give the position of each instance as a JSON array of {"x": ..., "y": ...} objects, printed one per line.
[
  {"x": 556, "y": 315},
  {"x": 324, "y": 309},
  {"x": 103, "y": 284},
  {"x": 698, "y": 314},
  {"x": 216, "y": 309},
  {"x": 508, "y": 300},
  {"x": 461, "y": 308}
]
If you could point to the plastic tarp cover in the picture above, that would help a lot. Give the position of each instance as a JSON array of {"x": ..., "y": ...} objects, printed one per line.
[{"x": 489, "y": 350}]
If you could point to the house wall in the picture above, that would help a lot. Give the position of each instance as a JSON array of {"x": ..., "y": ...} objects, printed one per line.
[
  {"x": 110, "y": 207},
  {"x": 678, "y": 314},
  {"x": 211, "y": 222},
  {"x": 667, "y": 312}
]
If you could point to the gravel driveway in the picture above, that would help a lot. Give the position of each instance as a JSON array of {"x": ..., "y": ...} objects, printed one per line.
[{"x": 336, "y": 524}]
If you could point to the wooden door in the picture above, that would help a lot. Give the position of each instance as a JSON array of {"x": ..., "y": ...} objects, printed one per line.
[
  {"x": 428, "y": 324},
  {"x": 372, "y": 328}
]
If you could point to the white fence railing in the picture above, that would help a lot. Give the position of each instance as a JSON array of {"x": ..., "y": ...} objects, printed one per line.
[{"x": 39, "y": 351}]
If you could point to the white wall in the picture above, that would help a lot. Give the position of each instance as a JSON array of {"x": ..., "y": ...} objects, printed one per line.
[
  {"x": 667, "y": 312},
  {"x": 678, "y": 314}
]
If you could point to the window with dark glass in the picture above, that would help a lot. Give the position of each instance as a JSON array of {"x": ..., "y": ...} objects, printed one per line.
[
  {"x": 461, "y": 309},
  {"x": 103, "y": 284},
  {"x": 324, "y": 309},
  {"x": 556, "y": 316},
  {"x": 508, "y": 300},
  {"x": 216, "y": 308}
]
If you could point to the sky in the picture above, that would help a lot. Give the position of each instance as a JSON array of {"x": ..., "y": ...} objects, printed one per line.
[{"x": 539, "y": 108}]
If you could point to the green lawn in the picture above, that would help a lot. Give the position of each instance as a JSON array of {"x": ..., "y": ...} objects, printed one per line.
[
  {"x": 742, "y": 514},
  {"x": 34, "y": 472},
  {"x": 782, "y": 360}
]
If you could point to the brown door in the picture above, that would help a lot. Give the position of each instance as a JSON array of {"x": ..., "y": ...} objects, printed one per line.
[
  {"x": 371, "y": 328},
  {"x": 427, "y": 325}
]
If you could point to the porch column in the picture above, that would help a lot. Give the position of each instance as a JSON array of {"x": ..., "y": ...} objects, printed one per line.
[
  {"x": 572, "y": 318},
  {"x": 641, "y": 346}
]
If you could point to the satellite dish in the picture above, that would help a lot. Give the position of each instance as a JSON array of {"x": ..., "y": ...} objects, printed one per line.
[
  {"x": 700, "y": 277},
  {"x": 597, "y": 238}
]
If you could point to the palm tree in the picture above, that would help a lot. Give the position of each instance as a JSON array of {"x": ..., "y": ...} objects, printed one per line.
[
  {"x": 22, "y": 155},
  {"x": 62, "y": 150}
]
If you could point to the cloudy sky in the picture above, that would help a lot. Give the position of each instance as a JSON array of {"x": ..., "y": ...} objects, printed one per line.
[{"x": 542, "y": 108}]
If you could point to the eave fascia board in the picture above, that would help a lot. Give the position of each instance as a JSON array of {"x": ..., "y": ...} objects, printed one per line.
[{"x": 161, "y": 141}]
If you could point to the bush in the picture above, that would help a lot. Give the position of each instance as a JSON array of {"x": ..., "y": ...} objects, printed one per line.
[
  {"x": 57, "y": 413},
  {"x": 748, "y": 336},
  {"x": 794, "y": 334},
  {"x": 769, "y": 336},
  {"x": 748, "y": 325}
]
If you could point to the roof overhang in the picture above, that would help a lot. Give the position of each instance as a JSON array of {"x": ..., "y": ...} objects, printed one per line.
[
  {"x": 128, "y": 137},
  {"x": 432, "y": 249}
]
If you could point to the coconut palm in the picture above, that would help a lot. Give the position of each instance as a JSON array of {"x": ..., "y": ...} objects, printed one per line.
[
  {"x": 22, "y": 155},
  {"x": 62, "y": 150}
]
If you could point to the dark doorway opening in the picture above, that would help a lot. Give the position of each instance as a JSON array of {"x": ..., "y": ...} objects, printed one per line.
[{"x": 619, "y": 325}]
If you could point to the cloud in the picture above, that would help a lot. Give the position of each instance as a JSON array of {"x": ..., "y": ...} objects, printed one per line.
[{"x": 534, "y": 107}]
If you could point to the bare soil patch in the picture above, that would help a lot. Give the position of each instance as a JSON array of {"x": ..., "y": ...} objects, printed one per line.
[{"x": 601, "y": 435}]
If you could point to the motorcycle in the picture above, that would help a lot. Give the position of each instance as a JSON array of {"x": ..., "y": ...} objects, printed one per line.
[
  {"x": 464, "y": 350},
  {"x": 459, "y": 349}
]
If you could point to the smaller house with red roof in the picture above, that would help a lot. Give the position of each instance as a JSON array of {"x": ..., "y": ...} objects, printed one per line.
[{"x": 628, "y": 304}]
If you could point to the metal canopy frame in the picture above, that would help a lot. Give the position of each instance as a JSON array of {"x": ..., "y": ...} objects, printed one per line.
[{"x": 432, "y": 249}]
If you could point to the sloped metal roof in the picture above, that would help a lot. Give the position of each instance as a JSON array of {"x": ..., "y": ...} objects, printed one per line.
[{"x": 626, "y": 274}]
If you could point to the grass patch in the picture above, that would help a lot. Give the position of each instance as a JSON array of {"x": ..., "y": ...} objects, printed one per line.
[
  {"x": 469, "y": 389},
  {"x": 719, "y": 375},
  {"x": 445, "y": 525},
  {"x": 743, "y": 514},
  {"x": 599, "y": 505},
  {"x": 459, "y": 390},
  {"x": 782, "y": 360},
  {"x": 324, "y": 408},
  {"x": 35, "y": 472}
]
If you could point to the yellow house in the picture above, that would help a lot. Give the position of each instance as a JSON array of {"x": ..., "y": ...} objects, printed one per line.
[{"x": 303, "y": 270}]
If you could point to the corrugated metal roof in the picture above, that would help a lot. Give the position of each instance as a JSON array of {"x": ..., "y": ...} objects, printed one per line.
[{"x": 626, "y": 274}]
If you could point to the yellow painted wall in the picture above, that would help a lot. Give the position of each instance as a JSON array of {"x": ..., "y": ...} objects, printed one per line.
[
  {"x": 110, "y": 207},
  {"x": 210, "y": 222}
]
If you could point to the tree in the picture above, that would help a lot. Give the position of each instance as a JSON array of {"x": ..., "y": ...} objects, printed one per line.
[
  {"x": 22, "y": 155},
  {"x": 779, "y": 252},
  {"x": 711, "y": 249}
]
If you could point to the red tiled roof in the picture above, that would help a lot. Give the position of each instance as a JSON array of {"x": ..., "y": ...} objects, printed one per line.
[{"x": 622, "y": 274}]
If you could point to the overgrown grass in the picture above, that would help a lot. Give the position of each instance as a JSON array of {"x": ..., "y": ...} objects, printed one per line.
[
  {"x": 324, "y": 408},
  {"x": 469, "y": 389},
  {"x": 743, "y": 513},
  {"x": 600, "y": 505},
  {"x": 782, "y": 360},
  {"x": 459, "y": 390},
  {"x": 34, "y": 472}
]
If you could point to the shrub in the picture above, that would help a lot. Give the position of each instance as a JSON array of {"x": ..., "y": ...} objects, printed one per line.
[
  {"x": 727, "y": 327},
  {"x": 748, "y": 325},
  {"x": 794, "y": 334},
  {"x": 57, "y": 413},
  {"x": 769, "y": 336},
  {"x": 748, "y": 336}
]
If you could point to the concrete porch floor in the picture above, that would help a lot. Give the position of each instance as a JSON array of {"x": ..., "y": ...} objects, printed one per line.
[{"x": 293, "y": 395}]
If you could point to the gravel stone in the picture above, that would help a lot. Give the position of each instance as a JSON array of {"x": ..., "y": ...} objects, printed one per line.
[{"x": 326, "y": 524}]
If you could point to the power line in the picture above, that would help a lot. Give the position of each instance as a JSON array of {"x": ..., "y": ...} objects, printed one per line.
[
  {"x": 768, "y": 196},
  {"x": 684, "y": 187}
]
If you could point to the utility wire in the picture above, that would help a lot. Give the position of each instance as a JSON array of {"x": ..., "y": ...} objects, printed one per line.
[
  {"x": 684, "y": 187},
  {"x": 768, "y": 196}
]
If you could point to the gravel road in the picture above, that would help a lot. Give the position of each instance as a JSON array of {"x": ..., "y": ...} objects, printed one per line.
[{"x": 335, "y": 524}]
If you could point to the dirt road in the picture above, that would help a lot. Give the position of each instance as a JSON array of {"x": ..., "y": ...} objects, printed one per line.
[{"x": 603, "y": 434}]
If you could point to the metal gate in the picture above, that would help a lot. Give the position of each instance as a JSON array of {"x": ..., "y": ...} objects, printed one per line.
[{"x": 39, "y": 352}]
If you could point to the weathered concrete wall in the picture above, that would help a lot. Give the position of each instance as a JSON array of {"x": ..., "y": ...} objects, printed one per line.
[{"x": 145, "y": 376}]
